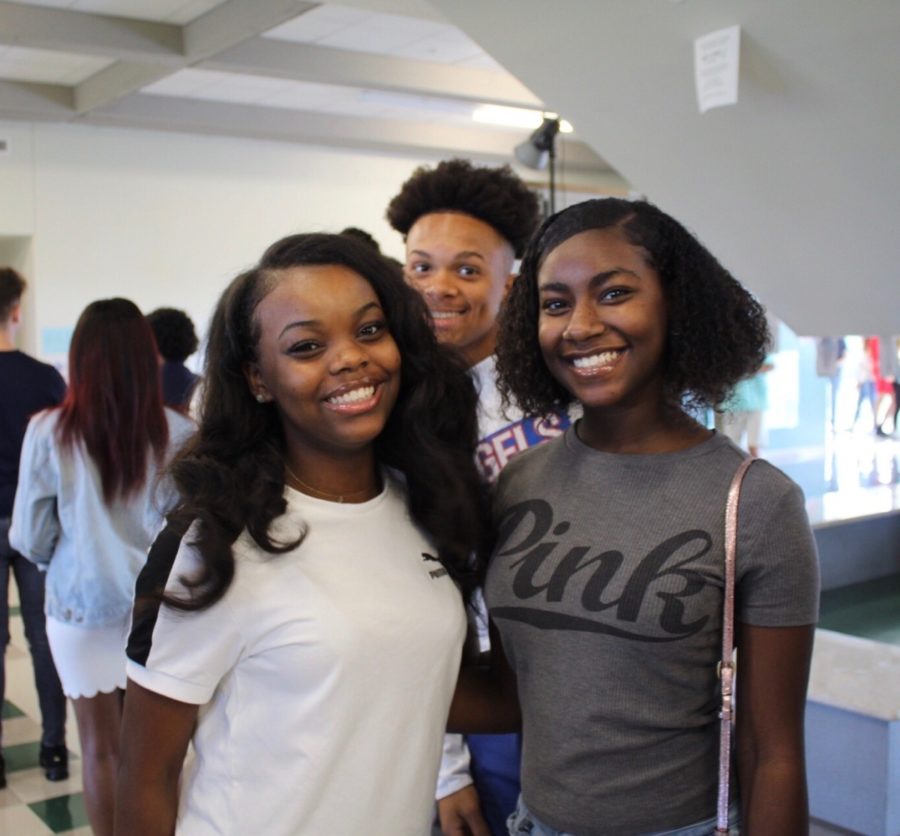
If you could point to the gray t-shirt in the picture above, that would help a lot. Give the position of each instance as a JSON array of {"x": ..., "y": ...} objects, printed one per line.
[{"x": 606, "y": 586}]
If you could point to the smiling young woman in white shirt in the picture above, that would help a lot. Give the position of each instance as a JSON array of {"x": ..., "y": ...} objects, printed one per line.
[{"x": 302, "y": 611}]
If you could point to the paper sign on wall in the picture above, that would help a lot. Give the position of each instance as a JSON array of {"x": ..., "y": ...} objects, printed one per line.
[{"x": 716, "y": 65}]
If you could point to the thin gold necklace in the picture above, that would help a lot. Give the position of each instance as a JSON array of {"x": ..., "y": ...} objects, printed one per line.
[{"x": 319, "y": 493}]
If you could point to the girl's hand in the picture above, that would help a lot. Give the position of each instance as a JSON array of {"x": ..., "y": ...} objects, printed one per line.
[{"x": 460, "y": 814}]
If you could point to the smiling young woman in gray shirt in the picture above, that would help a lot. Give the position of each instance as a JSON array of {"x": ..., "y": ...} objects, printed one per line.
[{"x": 606, "y": 581}]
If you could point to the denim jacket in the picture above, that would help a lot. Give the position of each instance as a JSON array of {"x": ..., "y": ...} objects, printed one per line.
[{"x": 91, "y": 551}]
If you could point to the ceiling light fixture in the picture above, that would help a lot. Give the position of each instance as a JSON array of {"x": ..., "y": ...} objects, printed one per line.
[{"x": 515, "y": 117}]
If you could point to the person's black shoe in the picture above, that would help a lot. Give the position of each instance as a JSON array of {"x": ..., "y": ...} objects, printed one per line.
[
  {"x": 55, "y": 761},
  {"x": 2, "y": 772}
]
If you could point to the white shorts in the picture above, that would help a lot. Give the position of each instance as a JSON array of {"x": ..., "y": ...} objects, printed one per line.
[{"x": 89, "y": 660}]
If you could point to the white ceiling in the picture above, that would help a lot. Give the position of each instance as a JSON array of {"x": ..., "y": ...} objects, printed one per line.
[
  {"x": 357, "y": 30},
  {"x": 166, "y": 11},
  {"x": 378, "y": 74},
  {"x": 796, "y": 189},
  {"x": 49, "y": 67}
]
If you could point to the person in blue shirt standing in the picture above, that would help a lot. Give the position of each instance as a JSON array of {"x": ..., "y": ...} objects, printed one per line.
[{"x": 88, "y": 503}]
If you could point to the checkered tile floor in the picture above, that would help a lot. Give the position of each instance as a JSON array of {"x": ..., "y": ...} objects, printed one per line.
[{"x": 31, "y": 805}]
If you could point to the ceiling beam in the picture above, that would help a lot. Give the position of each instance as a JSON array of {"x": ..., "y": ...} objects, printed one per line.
[
  {"x": 38, "y": 102},
  {"x": 168, "y": 113},
  {"x": 235, "y": 21},
  {"x": 90, "y": 34},
  {"x": 324, "y": 65},
  {"x": 220, "y": 28},
  {"x": 115, "y": 82}
]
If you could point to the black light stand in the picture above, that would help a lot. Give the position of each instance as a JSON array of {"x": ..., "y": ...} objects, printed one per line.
[{"x": 539, "y": 150}]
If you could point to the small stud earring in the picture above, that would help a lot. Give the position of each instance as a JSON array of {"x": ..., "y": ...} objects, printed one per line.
[{"x": 260, "y": 398}]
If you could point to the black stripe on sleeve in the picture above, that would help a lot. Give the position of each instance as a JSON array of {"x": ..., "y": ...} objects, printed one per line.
[{"x": 149, "y": 587}]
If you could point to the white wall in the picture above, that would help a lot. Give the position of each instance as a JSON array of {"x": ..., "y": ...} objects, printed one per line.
[
  {"x": 796, "y": 189},
  {"x": 168, "y": 219}
]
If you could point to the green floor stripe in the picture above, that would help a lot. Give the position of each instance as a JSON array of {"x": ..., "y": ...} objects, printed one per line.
[
  {"x": 63, "y": 813},
  {"x": 22, "y": 756},
  {"x": 870, "y": 610},
  {"x": 26, "y": 756},
  {"x": 10, "y": 711}
]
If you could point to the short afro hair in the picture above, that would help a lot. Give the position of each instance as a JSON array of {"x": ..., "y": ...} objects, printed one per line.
[
  {"x": 717, "y": 331},
  {"x": 12, "y": 286},
  {"x": 174, "y": 332},
  {"x": 496, "y": 196}
]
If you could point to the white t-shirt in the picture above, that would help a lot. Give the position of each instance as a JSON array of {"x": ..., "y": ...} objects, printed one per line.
[
  {"x": 506, "y": 433},
  {"x": 324, "y": 675}
]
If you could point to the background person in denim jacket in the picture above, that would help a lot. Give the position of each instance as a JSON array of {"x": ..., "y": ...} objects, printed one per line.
[{"x": 84, "y": 510}]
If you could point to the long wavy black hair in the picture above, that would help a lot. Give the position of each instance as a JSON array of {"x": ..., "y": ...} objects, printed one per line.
[
  {"x": 717, "y": 331},
  {"x": 230, "y": 477}
]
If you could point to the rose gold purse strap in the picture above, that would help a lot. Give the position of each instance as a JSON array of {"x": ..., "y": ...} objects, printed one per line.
[{"x": 726, "y": 665}]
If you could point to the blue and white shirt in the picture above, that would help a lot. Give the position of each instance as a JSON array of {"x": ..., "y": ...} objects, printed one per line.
[{"x": 92, "y": 551}]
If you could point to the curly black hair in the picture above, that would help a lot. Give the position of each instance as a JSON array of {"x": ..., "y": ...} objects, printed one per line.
[
  {"x": 176, "y": 338},
  {"x": 496, "y": 196},
  {"x": 717, "y": 331},
  {"x": 230, "y": 477}
]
